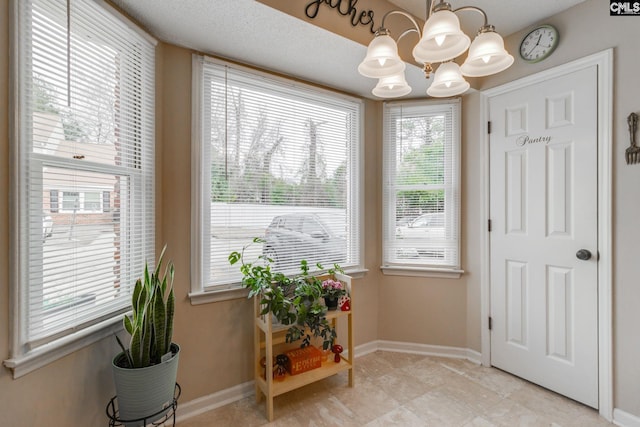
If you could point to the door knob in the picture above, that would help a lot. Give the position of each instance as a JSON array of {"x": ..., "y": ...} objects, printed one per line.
[{"x": 583, "y": 254}]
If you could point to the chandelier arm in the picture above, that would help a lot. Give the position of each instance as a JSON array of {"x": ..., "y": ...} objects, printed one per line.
[
  {"x": 477, "y": 9},
  {"x": 406, "y": 15},
  {"x": 405, "y": 32},
  {"x": 429, "y": 8}
]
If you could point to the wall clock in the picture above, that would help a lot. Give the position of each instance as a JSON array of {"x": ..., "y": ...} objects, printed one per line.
[{"x": 539, "y": 43}]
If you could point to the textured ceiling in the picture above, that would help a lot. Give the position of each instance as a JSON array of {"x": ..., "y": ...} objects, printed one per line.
[
  {"x": 252, "y": 33},
  {"x": 508, "y": 16}
]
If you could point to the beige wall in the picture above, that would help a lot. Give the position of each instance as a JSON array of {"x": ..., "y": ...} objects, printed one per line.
[{"x": 216, "y": 338}]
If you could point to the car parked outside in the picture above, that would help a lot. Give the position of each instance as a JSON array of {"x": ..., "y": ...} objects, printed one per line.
[
  {"x": 429, "y": 225},
  {"x": 297, "y": 236},
  {"x": 401, "y": 222},
  {"x": 422, "y": 237}
]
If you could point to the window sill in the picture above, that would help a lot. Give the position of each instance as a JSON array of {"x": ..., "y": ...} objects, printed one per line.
[
  {"x": 48, "y": 353},
  {"x": 442, "y": 273},
  {"x": 235, "y": 291},
  {"x": 217, "y": 295},
  {"x": 356, "y": 272}
]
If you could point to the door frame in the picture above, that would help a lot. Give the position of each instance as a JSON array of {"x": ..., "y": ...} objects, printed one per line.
[{"x": 604, "y": 63}]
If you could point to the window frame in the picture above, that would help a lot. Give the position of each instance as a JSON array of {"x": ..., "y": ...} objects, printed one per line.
[
  {"x": 200, "y": 292},
  {"x": 25, "y": 358},
  {"x": 395, "y": 267}
]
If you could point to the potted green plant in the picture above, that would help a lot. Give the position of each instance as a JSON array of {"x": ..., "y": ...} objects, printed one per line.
[
  {"x": 293, "y": 301},
  {"x": 145, "y": 373}
]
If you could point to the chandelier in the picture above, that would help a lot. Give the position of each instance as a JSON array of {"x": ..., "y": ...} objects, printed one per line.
[{"x": 441, "y": 41}]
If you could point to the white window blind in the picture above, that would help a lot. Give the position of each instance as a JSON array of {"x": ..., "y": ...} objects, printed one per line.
[
  {"x": 280, "y": 161},
  {"x": 421, "y": 196},
  {"x": 85, "y": 169}
]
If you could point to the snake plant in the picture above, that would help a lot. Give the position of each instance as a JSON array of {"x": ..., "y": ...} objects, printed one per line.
[{"x": 150, "y": 323}]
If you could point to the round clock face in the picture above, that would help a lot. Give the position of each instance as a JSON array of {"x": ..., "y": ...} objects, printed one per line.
[{"x": 539, "y": 43}]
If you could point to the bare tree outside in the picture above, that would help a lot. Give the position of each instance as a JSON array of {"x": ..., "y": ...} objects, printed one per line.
[{"x": 247, "y": 157}]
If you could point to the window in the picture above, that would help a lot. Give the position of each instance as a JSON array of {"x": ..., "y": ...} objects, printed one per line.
[
  {"x": 70, "y": 201},
  {"x": 421, "y": 186},
  {"x": 85, "y": 208},
  {"x": 80, "y": 202},
  {"x": 91, "y": 202},
  {"x": 277, "y": 160}
]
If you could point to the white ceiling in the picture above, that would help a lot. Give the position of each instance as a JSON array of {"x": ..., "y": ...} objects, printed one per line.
[{"x": 252, "y": 33}]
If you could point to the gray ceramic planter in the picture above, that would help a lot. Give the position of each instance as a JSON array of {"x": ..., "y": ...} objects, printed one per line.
[{"x": 145, "y": 391}]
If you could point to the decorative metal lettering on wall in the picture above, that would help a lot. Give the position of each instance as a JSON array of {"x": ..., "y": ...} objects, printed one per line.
[
  {"x": 344, "y": 8},
  {"x": 523, "y": 140}
]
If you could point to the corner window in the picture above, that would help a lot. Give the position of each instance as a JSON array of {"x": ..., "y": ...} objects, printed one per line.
[
  {"x": 421, "y": 186},
  {"x": 85, "y": 174},
  {"x": 276, "y": 159}
]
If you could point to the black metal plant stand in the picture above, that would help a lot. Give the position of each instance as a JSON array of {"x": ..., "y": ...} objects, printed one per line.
[{"x": 114, "y": 420}]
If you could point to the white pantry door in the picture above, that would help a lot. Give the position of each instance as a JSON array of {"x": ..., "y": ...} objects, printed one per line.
[{"x": 544, "y": 213}]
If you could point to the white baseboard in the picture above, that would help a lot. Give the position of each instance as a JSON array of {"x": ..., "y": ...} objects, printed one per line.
[
  {"x": 622, "y": 418},
  {"x": 213, "y": 401},
  {"x": 430, "y": 350},
  {"x": 364, "y": 349}
]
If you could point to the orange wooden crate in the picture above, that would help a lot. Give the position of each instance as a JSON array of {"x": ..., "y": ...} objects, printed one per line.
[{"x": 303, "y": 359}]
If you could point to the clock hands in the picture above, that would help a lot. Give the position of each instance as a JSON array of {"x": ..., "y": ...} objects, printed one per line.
[{"x": 535, "y": 45}]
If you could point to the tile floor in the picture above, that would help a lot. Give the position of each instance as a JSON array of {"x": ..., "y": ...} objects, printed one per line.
[{"x": 396, "y": 389}]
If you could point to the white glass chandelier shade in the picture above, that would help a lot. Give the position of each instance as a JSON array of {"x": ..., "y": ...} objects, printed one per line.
[
  {"x": 487, "y": 56},
  {"x": 447, "y": 81},
  {"x": 392, "y": 86},
  {"x": 442, "y": 39},
  {"x": 382, "y": 58}
]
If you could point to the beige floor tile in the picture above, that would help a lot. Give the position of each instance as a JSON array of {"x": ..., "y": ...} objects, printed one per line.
[
  {"x": 394, "y": 389},
  {"x": 479, "y": 422},
  {"x": 557, "y": 408},
  {"x": 402, "y": 385},
  {"x": 372, "y": 365},
  {"x": 398, "y": 417},
  {"x": 495, "y": 380},
  {"x": 439, "y": 409},
  {"x": 473, "y": 395},
  {"x": 429, "y": 372},
  {"x": 367, "y": 400},
  {"x": 459, "y": 366},
  {"x": 508, "y": 413}
]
